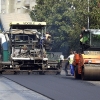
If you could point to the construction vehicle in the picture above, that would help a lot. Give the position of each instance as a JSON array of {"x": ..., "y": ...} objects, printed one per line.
[
  {"x": 87, "y": 60},
  {"x": 26, "y": 48}
]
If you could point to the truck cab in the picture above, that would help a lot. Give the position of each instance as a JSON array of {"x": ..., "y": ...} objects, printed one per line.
[{"x": 92, "y": 42}]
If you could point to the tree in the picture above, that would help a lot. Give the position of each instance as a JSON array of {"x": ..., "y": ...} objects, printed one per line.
[{"x": 65, "y": 18}]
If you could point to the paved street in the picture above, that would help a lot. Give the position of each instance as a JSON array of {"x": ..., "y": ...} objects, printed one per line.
[
  {"x": 12, "y": 91},
  {"x": 60, "y": 87}
]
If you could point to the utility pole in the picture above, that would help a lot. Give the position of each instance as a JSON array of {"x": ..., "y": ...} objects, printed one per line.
[
  {"x": 88, "y": 16},
  {"x": 73, "y": 8}
]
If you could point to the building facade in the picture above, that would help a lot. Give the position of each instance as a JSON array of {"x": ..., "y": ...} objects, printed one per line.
[{"x": 17, "y": 6}]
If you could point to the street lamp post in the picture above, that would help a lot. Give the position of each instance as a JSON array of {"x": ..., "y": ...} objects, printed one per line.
[{"x": 30, "y": 11}]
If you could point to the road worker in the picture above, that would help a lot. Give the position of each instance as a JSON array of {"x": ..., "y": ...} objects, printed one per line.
[
  {"x": 47, "y": 35},
  {"x": 70, "y": 59},
  {"x": 24, "y": 49},
  {"x": 66, "y": 66},
  {"x": 61, "y": 58},
  {"x": 84, "y": 38}
]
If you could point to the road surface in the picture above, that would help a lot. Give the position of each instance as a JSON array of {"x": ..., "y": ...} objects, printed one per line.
[
  {"x": 59, "y": 87},
  {"x": 12, "y": 91}
]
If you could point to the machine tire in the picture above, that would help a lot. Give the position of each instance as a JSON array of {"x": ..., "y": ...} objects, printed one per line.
[{"x": 76, "y": 75}]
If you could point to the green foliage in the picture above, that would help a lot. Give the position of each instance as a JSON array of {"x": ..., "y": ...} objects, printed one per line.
[{"x": 65, "y": 18}]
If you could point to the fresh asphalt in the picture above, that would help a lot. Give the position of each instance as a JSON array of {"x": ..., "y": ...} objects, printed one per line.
[
  {"x": 59, "y": 87},
  {"x": 10, "y": 90}
]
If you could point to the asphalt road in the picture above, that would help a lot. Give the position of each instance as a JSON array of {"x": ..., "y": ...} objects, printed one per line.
[
  {"x": 10, "y": 90},
  {"x": 59, "y": 87}
]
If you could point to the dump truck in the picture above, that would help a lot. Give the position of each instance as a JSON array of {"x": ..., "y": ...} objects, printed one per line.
[{"x": 87, "y": 60}]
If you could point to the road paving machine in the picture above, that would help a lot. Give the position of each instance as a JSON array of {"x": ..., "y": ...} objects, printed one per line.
[{"x": 27, "y": 48}]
